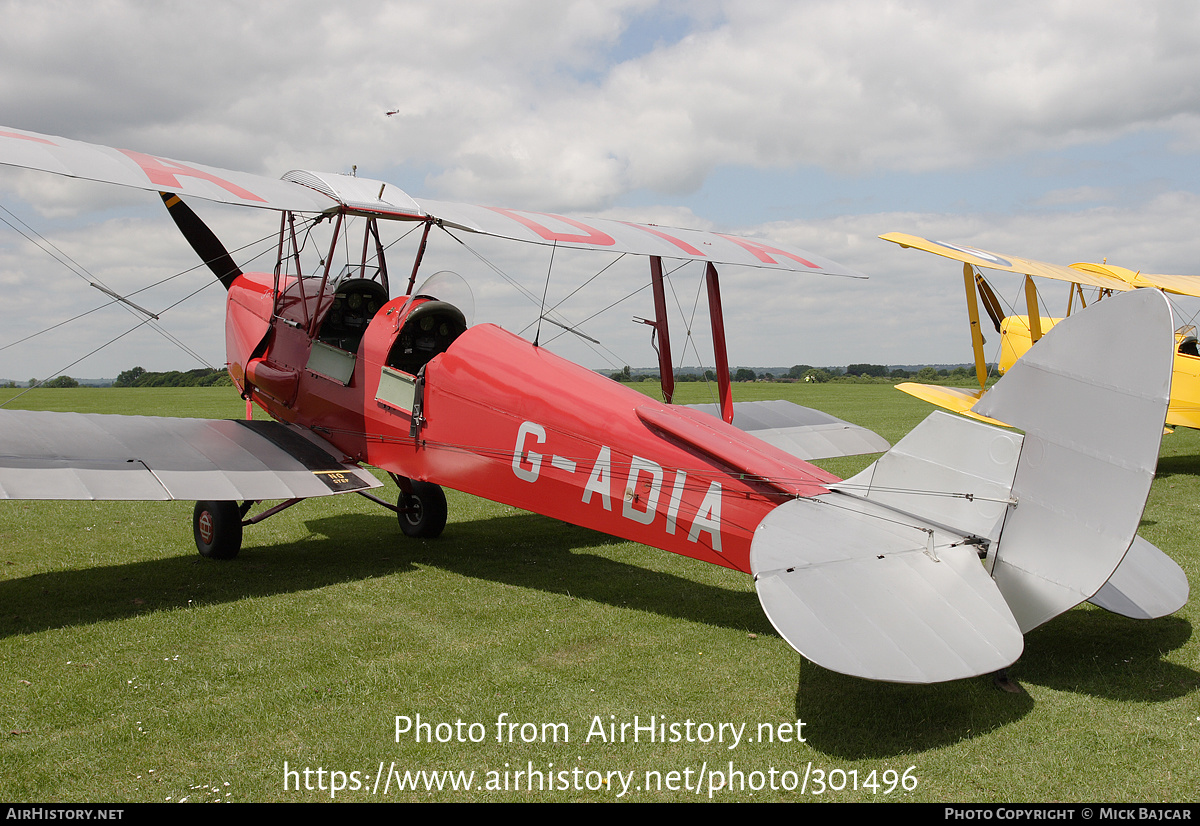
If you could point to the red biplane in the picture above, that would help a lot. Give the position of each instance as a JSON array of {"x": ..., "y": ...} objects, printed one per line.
[{"x": 878, "y": 577}]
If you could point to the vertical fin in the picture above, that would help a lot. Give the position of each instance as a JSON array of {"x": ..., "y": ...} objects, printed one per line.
[
  {"x": 1091, "y": 398},
  {"x": 880, "y": 578}
]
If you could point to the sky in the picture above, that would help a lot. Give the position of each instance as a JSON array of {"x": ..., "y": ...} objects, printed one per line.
[{"x": 1063, "y": 131}]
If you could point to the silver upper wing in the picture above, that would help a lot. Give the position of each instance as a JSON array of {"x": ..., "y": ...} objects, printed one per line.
[
  {"x": 305, "y": 191},
  {"x": 124, "y": 167}
]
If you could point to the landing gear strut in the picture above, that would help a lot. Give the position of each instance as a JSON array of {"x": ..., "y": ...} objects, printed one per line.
[{"x": 217, "y": 526}]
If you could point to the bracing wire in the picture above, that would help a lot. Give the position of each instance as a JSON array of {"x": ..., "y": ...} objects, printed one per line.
[
  {"x": 113, "y": 340},
  {"x": 567, "y": 297},
  {"x": 81, "y": 272},
  {"x": 47, "y": 246},
  {"x": 545, "y": 289},
  {"x": 607, "y": 355}
]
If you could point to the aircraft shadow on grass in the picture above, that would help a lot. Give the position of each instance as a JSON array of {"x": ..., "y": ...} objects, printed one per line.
[
  {"x": 1178, "y": 466},
  {"x": 1084, "y": 651},
  {"x": 524, "y": 550}
]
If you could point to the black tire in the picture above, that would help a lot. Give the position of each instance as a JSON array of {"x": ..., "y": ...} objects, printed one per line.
[
  {"x": 424, "y": 515},
  {"x": 217, "y": 527}
]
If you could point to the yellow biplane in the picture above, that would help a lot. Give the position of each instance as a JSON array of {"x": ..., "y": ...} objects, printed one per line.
[{"x": 1020, "y": 332}]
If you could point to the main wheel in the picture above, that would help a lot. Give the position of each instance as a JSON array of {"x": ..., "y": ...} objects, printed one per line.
[
  {"x": 423, "y": 512},
  {"x": 218, "y": 529}
]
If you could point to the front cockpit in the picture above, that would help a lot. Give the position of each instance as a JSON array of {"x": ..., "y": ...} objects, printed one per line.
[
  {"x": 429, "y": 330},
  {"x": 439, "y": 311},
  {"x": 428, "y": 324}
]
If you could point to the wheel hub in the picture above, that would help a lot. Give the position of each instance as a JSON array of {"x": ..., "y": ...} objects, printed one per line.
[{"x": 206, "y": 527}]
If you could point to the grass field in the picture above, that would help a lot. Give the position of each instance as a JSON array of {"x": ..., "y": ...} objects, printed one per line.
[{"x": 134, "y": 670}]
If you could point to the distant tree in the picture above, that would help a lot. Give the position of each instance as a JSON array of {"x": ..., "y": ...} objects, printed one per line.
[
  {"x": 171, "y": 378},
  {"x": 218, "y": 378},
  {"x": 816, "y": 375},
  {"x": 199, "y": 377},
  {"x": 128, "y": 378},
  {"x": 866, "y": 370},
  {"x": 744, "y": 374},
  {"x": 899, "y": 374},
  {"x": 62, "y": 381},
  {"x": 798, "y": 371},
  {"x": 32, "y": 383},
  {"x": 926, "y": 374}
]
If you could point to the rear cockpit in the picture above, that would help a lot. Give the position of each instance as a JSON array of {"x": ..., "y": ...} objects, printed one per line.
[
  {"x": 1185, "y": 341},
  {"x": 355, "y": 303}
]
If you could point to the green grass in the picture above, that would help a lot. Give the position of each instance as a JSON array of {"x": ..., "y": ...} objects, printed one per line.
[{"x": 133, "y": 670}]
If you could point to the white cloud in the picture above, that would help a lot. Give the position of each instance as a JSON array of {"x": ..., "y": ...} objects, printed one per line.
[
  {"x": 850, "y": 87},
  {"x": 1076, "y": 195},
  {"x": 503, "y": 96},
  {"x": 524, "y": 104}
]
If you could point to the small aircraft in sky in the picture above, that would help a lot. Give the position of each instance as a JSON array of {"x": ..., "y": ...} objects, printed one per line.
[
  {"x": 1020, "y": 332},
  {"x": 878, "y": 576}
]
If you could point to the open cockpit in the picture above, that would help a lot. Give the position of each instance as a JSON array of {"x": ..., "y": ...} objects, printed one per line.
[
  {"x": 429, "y": 330},
  {"x": 355, "y": 303}
]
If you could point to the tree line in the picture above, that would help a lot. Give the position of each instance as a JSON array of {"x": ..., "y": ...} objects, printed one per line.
[
  {"x": 140, "y": 377},
  {"x": 808, "y": 373},
  {"x": 200, "y": 377}
]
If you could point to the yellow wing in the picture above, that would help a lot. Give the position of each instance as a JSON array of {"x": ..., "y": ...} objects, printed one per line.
[
  {"x": 954, "y": 399},
  {"x": 1104, "y": 276},
  {"x": 1178, "y": 284},
  {"x": 1010, "y": 263}
]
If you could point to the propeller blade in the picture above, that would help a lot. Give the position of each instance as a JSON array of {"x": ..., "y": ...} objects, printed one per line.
[
  {"x": 211, "y": 251},
  {"x": 990, "y": 302}
]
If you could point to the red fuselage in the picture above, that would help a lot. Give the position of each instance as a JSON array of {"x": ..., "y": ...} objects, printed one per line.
[{"x": 502, "y": 419}]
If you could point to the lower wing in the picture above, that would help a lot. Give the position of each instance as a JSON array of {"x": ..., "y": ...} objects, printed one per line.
[{"x": 93, "y": 456}]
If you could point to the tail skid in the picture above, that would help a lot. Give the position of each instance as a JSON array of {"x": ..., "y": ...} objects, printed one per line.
[{"x": 880, "y": 578}]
